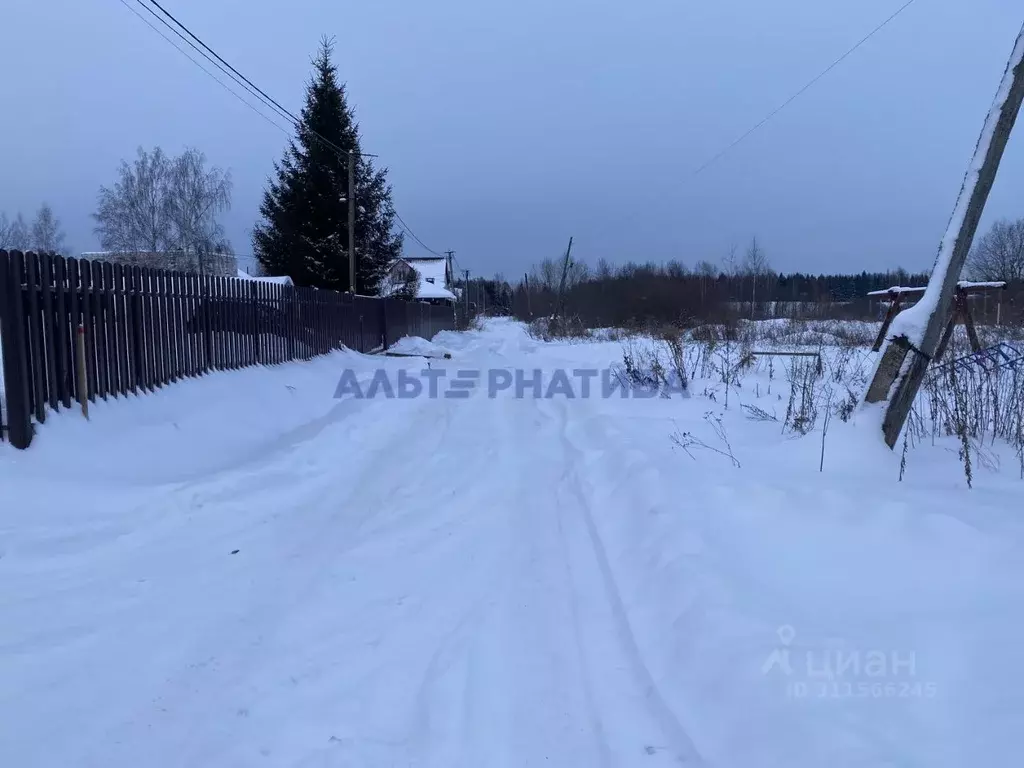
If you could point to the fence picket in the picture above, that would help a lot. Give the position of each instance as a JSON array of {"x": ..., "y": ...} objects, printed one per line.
[
  {"x": 49, "y": 327},
  {"x": 110, "y": 328},
  {"x": 133, "y": 317},
  {"x": 188, "y": 324},
  {"x": 88, "y": 314},
  {"x": 74, "y": 321},
  {"x": 99, "y": 322},
  {"x": 148, "y": 334},
  {"x": 237, "y": 322},
  {"x": 206, "y": 322},
  {"x": 36, "y": 354},
  {"x": 16, "y": 372},
  {"x": 64, "y": 370},
  {"x": 173, "y": 336}
]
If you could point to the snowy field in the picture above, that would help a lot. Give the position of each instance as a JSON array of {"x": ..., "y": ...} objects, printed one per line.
[{"x": 244, "y": 570}]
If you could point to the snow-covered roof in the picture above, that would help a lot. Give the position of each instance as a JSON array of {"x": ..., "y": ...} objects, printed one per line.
[
  {"x": 432, "y": 273},
  {"x": 282, "y": 280}
]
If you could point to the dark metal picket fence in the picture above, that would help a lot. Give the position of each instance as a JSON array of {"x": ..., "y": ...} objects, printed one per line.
[{"x": 75, "y": 330}]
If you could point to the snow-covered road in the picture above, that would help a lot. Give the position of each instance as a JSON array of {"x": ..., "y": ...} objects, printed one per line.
[{"x": 482, "y": 582}]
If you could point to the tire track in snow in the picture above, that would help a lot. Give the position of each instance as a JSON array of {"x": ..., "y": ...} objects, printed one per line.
[{"x": 683, "y": 749}]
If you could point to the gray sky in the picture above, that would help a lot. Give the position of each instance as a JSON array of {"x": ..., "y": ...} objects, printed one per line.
[{"x": 510, "y": 126}]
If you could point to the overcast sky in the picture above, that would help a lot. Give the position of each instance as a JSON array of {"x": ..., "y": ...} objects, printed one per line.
[{"x": 509, "y": 126}]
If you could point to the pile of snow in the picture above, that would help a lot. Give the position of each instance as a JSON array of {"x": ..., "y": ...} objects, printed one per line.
[{"x": 416, "y": 345}]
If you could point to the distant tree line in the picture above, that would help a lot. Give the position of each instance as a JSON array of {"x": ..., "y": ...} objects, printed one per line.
[
  {"x": 44, "y": 234},
  {"x": 639, "y": 294}
]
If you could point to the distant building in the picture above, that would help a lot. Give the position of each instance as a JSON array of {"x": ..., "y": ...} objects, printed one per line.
[
  {"x": 221, "y": 264},
  {"x": 434, "y": 275}
]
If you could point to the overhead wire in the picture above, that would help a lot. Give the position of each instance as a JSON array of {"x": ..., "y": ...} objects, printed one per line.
[
  {"x": 806, "y": 88},
  {"x": 212, "y": 76}
]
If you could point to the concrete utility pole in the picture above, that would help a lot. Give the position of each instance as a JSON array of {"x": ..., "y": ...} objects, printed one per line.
[
  {"x": 351, "y": 222},
  {"x": 895, "y": 380}
]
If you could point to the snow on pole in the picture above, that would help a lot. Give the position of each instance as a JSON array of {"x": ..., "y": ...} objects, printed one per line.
[{"x": 898, "y": 373}]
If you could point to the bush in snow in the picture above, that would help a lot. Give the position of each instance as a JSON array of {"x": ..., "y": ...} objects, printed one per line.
[{"x": 558, "y": 328}]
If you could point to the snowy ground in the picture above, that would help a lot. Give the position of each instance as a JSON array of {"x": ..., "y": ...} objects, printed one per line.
[{"x": 243, "y": 570}]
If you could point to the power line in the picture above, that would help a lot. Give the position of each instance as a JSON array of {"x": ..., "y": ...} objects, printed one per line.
[
  {"x": 212, "y": 76},
  {"x": 238, "y": 77},
  {"x": 224, "y": 70},
  {"x": 806, "y": 88},
  {"x": 412, "y": 234},
  {"x": 249, "y": 82}
]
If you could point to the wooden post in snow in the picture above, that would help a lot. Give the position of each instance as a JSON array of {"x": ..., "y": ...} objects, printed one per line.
[
  {"x": 560, "y": 310},
  {"x": 917, "y": 331}
]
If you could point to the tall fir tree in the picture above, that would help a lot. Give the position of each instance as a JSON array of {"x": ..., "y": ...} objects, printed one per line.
[{"x": 304, "y": 232}]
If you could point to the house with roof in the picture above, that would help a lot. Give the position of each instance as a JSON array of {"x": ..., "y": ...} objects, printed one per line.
[{"x": 433, "y": 274}]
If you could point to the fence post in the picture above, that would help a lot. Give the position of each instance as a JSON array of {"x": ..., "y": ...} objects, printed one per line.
[
  {"x": 384, "y": 323},
  {"x": 36, "y": 354},
  {"x": 19, "y": 420},
  {"x": 83, "y": 383}
]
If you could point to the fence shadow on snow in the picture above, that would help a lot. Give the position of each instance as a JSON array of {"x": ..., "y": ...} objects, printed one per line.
[{"x": 126, "y": 329}]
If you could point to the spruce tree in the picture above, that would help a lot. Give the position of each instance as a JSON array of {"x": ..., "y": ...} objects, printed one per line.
[{"x": 304, "y": 232}]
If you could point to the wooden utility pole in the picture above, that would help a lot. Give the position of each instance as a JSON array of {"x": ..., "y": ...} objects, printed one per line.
[
  {"x": 561, "y": 285},
  {"x": 465, "y": 272},
  {"x": 918, "y": 330},
  {"x": 449, "y": 273},
  {"x": 351, "y": 222}
]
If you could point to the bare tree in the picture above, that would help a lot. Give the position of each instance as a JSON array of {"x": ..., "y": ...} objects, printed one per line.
[
  {"x": 578, "y": 273},
  {"x": 676, "y": 269},
  {"x": 756, "y": 261},
  {"x": 195, "y": 198},
  {"x": 5, "y": 232},
  {"x": 731, "y": 262},
  {"x": 47, "y": 235},
  {"x": 999, "y": 255},
  {"x": 162, "y": 204},
  {"x": 18, "y": 237},
  {"x": 547, "y": 275},
  {"x": 133, "y": 215},
  {"x": 706, "y": 269},
  {"x": 756, "y": 267}
]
